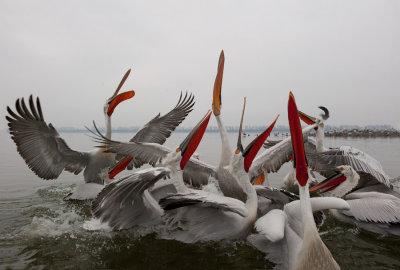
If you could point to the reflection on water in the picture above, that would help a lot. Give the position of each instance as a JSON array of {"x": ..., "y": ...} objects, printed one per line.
[{"x": 38, "y": 230}]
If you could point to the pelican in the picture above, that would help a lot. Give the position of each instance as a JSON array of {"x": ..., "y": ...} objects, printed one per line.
[
  {"x": 290, "y": 236},
  {"x": 373, "y": 208},
  {"x": 47, "y": 154},
  {"x": 197, "y": 215},
  {"x": 272, "y": 159},
  {"x": 326, "y": 160},
  {"x": 228, "y": 186},
  {"x": 132, "y": 200}
]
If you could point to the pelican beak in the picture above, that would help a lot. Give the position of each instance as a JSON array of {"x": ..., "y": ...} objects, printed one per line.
[
  {"x": 117, "y": 99},
  {"x": 189, "y": 145},
  {"x": 119, "y": 167},
  {"x": 252, "y": 149},
  {"x": 297, "y": 142},
  {"x": 329, "y": 183},
  {"x": 309, "y": 120},
  {"x": 216, "y": 106},
  {"x": 259, "y": 180}
]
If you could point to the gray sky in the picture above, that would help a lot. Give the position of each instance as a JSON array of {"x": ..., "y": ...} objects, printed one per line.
[{"x": 344, "y": 55}]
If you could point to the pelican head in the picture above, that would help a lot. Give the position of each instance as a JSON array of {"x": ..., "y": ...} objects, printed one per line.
[
  {"x": 310, "y": 120},
  {"x": 343, "y": 181},
  {"x": 252, "y": 149},
  {"x": 115, "y": 99}
]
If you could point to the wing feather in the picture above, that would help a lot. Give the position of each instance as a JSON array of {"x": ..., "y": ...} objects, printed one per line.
[
  {"x": 123, "y": 203},
  {"x": 203, "y": 199},
  {"x": 373, "y": 206},
  {"x": 40, "y": 145}
]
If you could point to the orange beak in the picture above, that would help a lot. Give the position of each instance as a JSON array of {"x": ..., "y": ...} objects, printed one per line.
[
  {"x": 216, "y": 106},
  {"x": 117, "y": 100},
  {"x": 260, "y": 179}
]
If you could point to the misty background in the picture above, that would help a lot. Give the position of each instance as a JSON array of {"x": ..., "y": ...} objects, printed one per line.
[{"x": 341, "y": 54}]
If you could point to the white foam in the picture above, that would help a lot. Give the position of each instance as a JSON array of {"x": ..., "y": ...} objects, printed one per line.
[
  {"x": 63, "y": 223},
  {"x": 94, "y": 224}
]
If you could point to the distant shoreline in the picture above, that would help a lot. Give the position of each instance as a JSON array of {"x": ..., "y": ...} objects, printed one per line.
[{"x": 379, "y": 131}]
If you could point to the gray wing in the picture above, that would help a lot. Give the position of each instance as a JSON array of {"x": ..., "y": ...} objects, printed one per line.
[
  {"x": 39, "y": 143},
  {"x": 126, "y": 202},
  {"x": 197, "y": 172},
  {"x": 271, "y": 159},
  {"x": 229, "y": 186},
  {"x": 275, "y": 156},
  {"x": 373, "y": 206},
  {"x": 362, "y": 163},
  {"x": 279, "y": 196},
  {"x": 151, "y": 153},
  {"x": 203, "y": 199},
  {"x": 159, "y": 128}
]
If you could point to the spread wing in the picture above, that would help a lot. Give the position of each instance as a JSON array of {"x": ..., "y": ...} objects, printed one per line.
[
  {"x": 151, "y": 153},
  {"x": 39, "y": 143},
  {"x": 362, "y": 163},
  {"x": 373, "y": 206},
  {"x": 159, "y": 128},
  {"x": 275, "y": 156},
  {"x": 126, "y": 202}
]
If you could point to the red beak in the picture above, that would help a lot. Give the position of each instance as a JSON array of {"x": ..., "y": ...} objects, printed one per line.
[
  {"x": 252, "y": 149},
  {"x": 189, "y": 145},
  {"x": 297, "y": 142},
  {"x": 329, "y": 183}
]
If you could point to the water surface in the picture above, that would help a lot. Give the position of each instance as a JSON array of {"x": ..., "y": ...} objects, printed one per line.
[{"x": 38, "y": 230}]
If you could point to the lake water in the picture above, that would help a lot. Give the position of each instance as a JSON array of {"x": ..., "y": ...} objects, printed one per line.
[{"x": 38, "y": 230}]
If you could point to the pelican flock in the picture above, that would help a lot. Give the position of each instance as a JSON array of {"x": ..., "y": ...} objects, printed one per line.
[{"x": 172, "y": 192}]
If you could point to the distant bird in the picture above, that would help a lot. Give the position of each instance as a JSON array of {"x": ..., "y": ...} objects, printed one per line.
[
  {"x": 290, "y": 237},
  {"x": 47, "y": 154},
  {"x": 133, "y": 200}
]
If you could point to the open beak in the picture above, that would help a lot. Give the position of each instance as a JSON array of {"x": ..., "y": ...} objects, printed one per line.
[
  {"x": 117, "y": 99},
  {"x": 329, "y": 183},
  {"x": 216, "y": 106},
  {"x": 297, "y": 142},
  {"x": 259, "y": 180},
  {"x": 189, "y": 145},
  {"x": 309, "y": 120},
  {"x": 252, "y": 149}
]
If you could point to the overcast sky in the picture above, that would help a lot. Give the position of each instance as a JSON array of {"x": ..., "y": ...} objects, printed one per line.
[{"x": 344, "y": 55}]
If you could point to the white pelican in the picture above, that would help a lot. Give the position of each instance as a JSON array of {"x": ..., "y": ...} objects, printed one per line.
[
  {"x": 132, "y": 200},
  {"x": 157, "y": 131},
  {"x": 374, "y": 208},
  {"x": 326, "y": 160},
  {"x": 47, "y": 154},
  {"x": 291, "y": 236},
  {"x": 272, "y": 159},
  {"x": 198, "y": 215}
]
